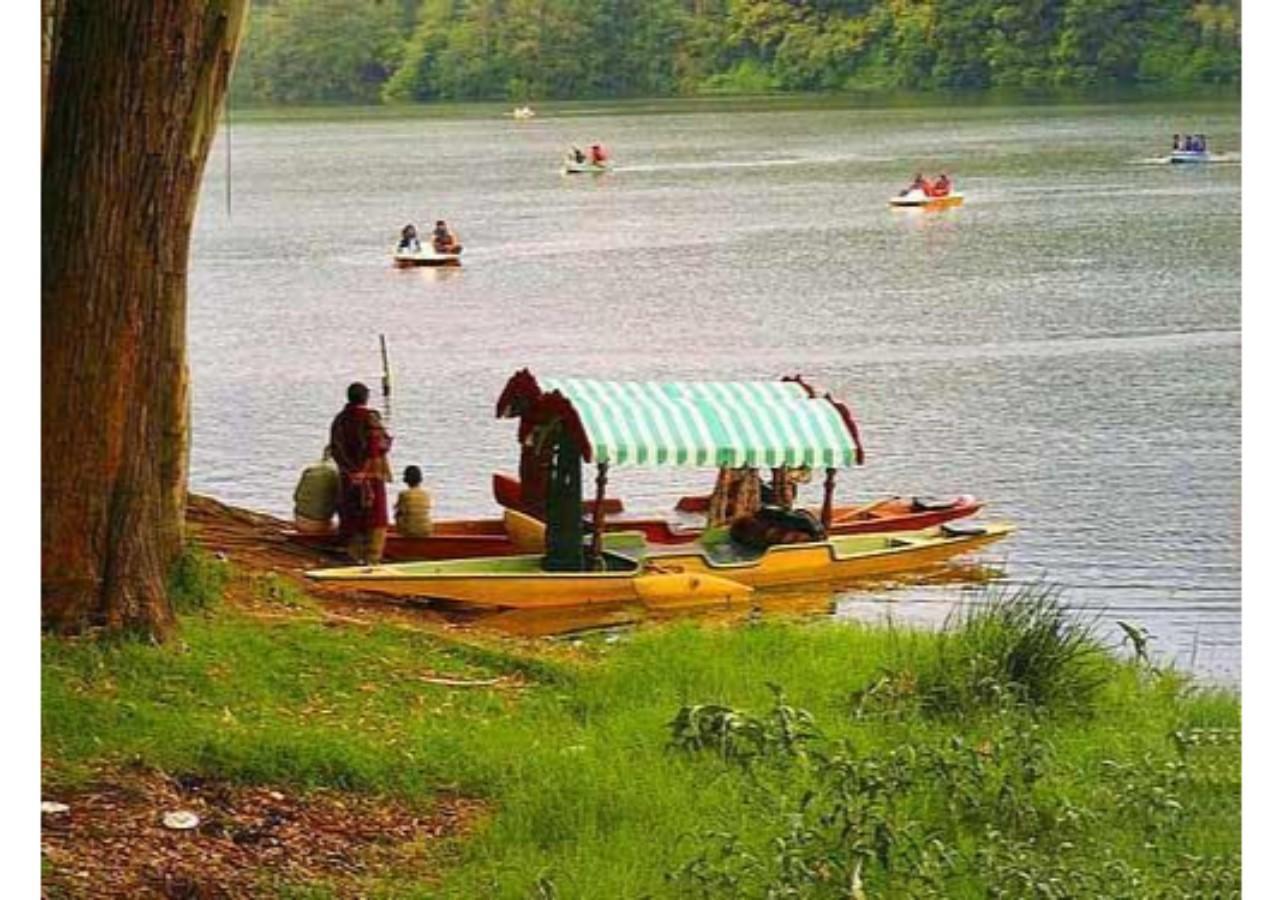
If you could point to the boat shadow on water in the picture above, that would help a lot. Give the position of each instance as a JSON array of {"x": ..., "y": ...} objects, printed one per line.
[{"x": 814, "y": 600}]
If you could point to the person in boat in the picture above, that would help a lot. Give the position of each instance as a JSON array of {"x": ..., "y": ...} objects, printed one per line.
[
  {"x": 409, "y": 239},
  {"x": 1202, "y": 144},
  {"x": 444, "y": 240},
  {"x": 736, "y": 495},
  {"x": 785, "y": 486},
  {"x": 359, "y": 444},
  {"x": 597, "y": 155},
  {"x": 941, "y": 186},
  {"x": 315, "y": 499},
  {"x": 413, "y": 506},
  {"x": 917, "y": 184},
  {"x": 577, "y": 155},
  {"x": 1177, "y": 143}
]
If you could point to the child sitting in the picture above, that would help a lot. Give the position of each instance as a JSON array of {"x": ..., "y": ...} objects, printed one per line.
[{"x": 413, "y": 506}]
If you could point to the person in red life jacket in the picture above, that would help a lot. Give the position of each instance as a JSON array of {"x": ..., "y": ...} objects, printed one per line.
[
  {"x": 941, "y": 186},
  {"x": 597, "y": 154},
  {"x": 443, "y": 240},
  {"x": 359, "y": 445}
]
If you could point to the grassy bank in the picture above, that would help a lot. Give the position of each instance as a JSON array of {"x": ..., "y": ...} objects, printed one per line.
[{"x": 1009, "y": 757}]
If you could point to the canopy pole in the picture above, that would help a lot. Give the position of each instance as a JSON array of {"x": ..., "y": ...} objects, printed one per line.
[
  {"x": 597, "y": 515},
  {"x": 828, "y": 498},
  {"x": 779, "y": 485}
]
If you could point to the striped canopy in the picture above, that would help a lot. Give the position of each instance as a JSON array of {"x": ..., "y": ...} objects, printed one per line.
[{"x": 708, "y": 423}]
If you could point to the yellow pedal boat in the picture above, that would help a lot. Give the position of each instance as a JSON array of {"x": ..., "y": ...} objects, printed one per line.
[{"x": 718, "y": 570}]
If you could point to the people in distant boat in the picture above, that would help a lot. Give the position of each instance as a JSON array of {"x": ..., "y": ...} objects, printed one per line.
[
  {"x": 577, "y": 155},
  {"x": 917, "y": 184},
  {"x": 597, "y": 155},
  {"x": 409, "y": 239},
  {"x": 315, "y": 499},
  {"x": 941, "y": 186},
  {"x": 444, "y": 240},
  {"x": 1202, "y": 144},
  {"x": 413, "y": 506},
  {"x": 359, "y": 444},
  {"x": 1177, "y": 142}
]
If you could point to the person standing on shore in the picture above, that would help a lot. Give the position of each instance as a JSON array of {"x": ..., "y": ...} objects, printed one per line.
[{"x": 359, "y": 444}]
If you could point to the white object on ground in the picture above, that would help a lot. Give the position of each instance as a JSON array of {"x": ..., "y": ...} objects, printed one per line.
[
  {"x": 181, "y": 820},
  {"x": 53, "y": 807}
]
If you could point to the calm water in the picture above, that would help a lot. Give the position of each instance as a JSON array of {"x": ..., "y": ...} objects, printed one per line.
[{"x": 1066, "y": 344}]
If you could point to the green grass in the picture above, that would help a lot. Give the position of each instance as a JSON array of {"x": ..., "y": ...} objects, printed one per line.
[{"x": 1139, "y": 775}]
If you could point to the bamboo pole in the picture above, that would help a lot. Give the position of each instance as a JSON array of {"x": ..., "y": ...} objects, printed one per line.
[{"x": 386, "y": 379}]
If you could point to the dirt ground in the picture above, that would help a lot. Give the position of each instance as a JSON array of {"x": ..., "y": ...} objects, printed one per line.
[{"x": 113, "y": 842}]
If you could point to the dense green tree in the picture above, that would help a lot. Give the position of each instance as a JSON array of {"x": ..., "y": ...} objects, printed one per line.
[{"x": 423, "y": 50}]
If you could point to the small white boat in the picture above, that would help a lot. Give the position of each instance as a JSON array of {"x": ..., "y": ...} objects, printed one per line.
[
  {"x": 918, "y": 198},
  {"x": 424, "y": 256},
  {"x": 573, "y": 167},
  {"x": 523, "y": 112},
  {"x": 1189, "y": 156}
]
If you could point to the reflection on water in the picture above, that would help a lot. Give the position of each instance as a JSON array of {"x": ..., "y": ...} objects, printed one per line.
[
  {"x": 1065, "y": 345},
  {"x": 811, "y": 600}
]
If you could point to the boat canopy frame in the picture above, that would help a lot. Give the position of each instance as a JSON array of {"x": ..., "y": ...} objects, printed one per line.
[{"x": 771, "y": 424}]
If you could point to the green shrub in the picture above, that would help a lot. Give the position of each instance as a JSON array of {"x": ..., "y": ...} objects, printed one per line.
[{"x": 1021, "y": 647}]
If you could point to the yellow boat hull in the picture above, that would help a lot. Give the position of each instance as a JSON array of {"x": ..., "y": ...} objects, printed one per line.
[
  {"x": 532, "y": 588},
  {"x": 670, "y": 578},
  {"x": 849, "y": 558}
]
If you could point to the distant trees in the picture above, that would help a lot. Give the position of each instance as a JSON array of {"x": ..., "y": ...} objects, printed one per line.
[{"x": 317, "y": 51}]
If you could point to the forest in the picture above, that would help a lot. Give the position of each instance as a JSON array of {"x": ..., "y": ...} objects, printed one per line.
[{"x": 420, "y": 51}]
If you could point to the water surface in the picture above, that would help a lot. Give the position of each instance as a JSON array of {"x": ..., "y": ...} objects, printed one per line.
[{"x": 1066, "y": 344}]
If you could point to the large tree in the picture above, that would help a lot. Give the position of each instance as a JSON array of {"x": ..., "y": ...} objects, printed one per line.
[{"x": 132, "y": 94}]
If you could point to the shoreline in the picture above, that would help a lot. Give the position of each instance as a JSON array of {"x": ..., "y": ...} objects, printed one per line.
[{"x": 600, "y": 765}]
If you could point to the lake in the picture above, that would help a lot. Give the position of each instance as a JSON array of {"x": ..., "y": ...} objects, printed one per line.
[{"x": 1065, "y": 345}]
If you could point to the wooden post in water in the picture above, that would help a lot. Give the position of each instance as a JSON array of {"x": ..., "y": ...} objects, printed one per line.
[
  {"x": 597, "y": 516},
  {"x": 828, "y": 498}
]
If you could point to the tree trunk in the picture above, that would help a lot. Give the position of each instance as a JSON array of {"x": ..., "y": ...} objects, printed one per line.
[{"x": 132, "y": 99}]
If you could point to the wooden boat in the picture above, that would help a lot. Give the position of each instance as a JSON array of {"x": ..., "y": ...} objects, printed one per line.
[
  {"x": 471, "y": 538},
  {"x": 424, "y": 256},
  {"x": 457, "y": 539},
  {"x": 717, "y": 571},
  {"x": 508, "y": 493},
  {"x": 918, "y": 199}
]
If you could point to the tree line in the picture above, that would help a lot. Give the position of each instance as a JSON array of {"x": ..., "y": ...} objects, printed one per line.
[{"x": 388, "y": 51}]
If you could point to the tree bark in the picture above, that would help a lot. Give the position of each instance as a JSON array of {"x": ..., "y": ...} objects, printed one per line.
[{"x": 132, "y": 98}]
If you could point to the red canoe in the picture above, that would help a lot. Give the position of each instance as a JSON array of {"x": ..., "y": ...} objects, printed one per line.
[{"x": 469, "y": 538}]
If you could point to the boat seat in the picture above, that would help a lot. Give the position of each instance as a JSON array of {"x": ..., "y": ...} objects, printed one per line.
[
  {"x": 926, "y": 504},
  {"x": 728, "y": 552},
  {"x": 951, "y": 530}
]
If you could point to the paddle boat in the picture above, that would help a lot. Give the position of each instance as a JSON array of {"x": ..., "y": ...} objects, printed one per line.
[
  {"x": 689, "y": 424},
  {"x": 916, "y": 198},
  {"x": 595, "y": 160},
  {"x": 1191, "y": 148},
  {"x": 409, "y": 258}
]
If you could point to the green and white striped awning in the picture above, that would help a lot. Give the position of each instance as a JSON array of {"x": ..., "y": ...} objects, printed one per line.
[{"x": 709, "y": 423}]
